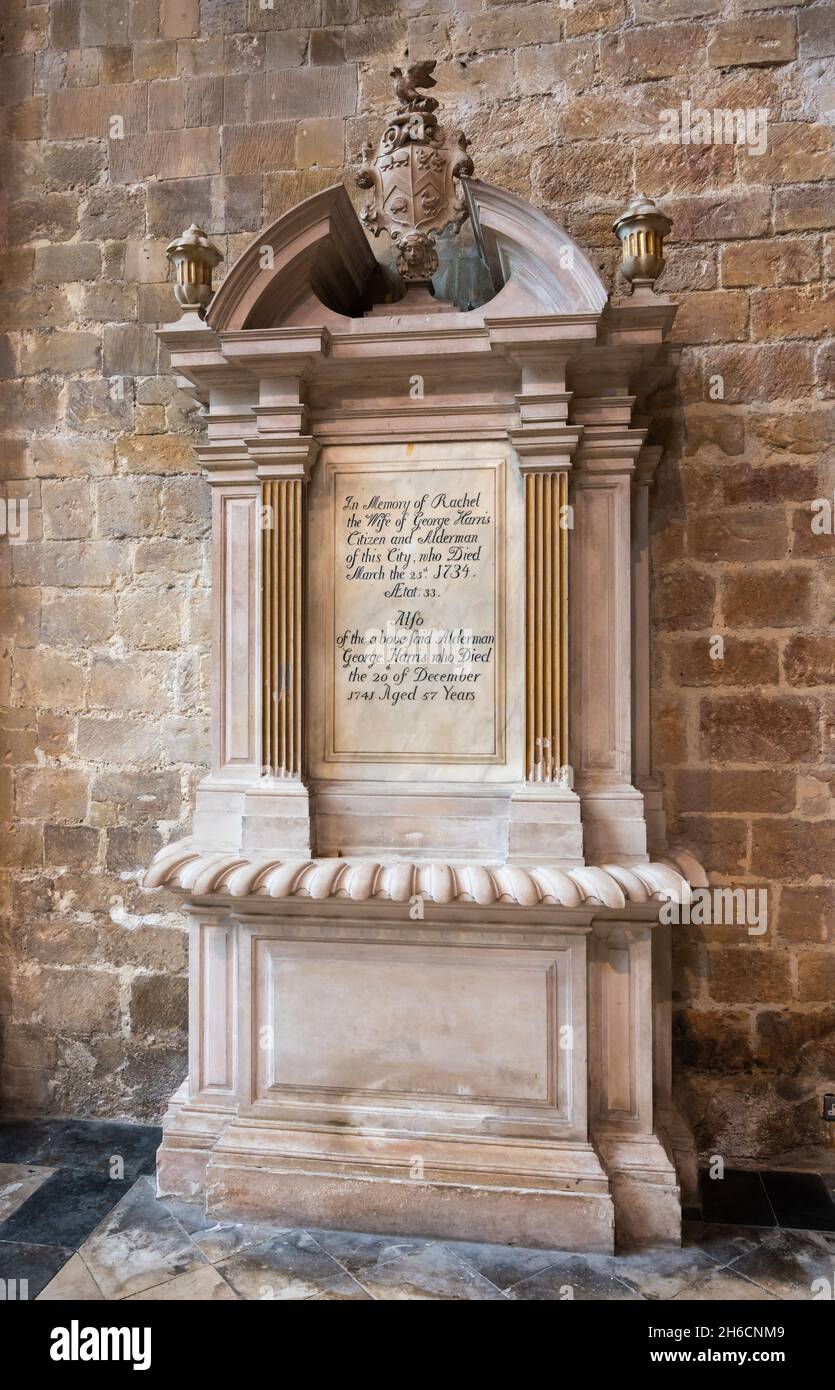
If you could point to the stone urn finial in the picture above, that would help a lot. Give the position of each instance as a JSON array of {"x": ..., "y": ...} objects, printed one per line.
[
  {"x": 414, "y": 176},
  {"x": 194, "y": 258},
  {"x": 641, "y": 230}
]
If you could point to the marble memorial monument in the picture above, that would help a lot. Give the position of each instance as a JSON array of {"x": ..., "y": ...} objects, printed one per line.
[{"x": 429, "y": 988}]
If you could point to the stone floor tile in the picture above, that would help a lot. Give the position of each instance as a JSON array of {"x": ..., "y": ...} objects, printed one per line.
[
  {"x": 226, "y": 1238},
  {"x": 73, "y": 1283},
  {"x": 788, "y": 1264},
  {"x": 430, "y": 1272},
  {"x": 824, "y": 1240},
  {"x": 342, "y": 1290},
  {"x": 25, "y": 1141},
  {"x": 723, "y": 1243},
  {"x": 192, "y": 1216},
  {"x": 801, "y": 1201},
  {"x": 165, "y": 1249},
  {"x": 217, "y": 1238},
  {"x": 202, "y": 1285},
  {"x": 503, "y": 1265},
  {"x": 17, "y": 1182},
  {"x": 361, "y": 1253},
  {"x": 290, "y": 1266},
  {"x": 37, "y": 1265},
  {"x": 138, "y": 1245},
  {"x": 724, "y": 1285},
  {"x": 738, "y": 1197},
  {"x": 95, "y": 1144},
  {"x": 64, "y": 1209},
  {"x": 585, "y": 1278},
  {"x": 663, "y": 1273}
]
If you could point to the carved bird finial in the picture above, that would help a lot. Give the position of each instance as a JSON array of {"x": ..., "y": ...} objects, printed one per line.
[{"x": 407, "y": 83}]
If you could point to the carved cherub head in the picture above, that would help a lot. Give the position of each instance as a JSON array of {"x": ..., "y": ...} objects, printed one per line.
[
  {"x": 417, "y": 258},
  {"x": 413, "y": 248}
]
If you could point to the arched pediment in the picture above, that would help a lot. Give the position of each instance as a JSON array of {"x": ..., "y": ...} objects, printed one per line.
[
  {"x": 319, "y": 246},
  {"x": 521, "y": 245},
  {"x": 318, "y": 252}
]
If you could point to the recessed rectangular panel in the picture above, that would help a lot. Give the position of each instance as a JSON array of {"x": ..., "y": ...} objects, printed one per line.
[
  {"x": 597, "y": 713},
  {"x": 217, "y": 1009},
  {"x": 398, "y": 1022},
  {"x": 238, "y": 567},
  {"x": 618, "y": 1057}
]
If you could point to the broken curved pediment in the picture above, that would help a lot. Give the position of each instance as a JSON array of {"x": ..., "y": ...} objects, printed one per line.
[{"x": 315, "y": 265}]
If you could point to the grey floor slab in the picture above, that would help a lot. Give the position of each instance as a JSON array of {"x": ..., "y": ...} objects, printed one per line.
[
  {"x": 503, "y": 1265},
  {"x": 26, "y": 1141},
  {"x": 27, "y": 1269},
  {"x": 724, "y": 1285},
  {"x": 359, "y": 1254},
  {"x": 107, "y": 1147},
  {"x": 215, "y": 1238},
  {"x": 790, "y": 1264},
  {"x": 138, "y": 1245},
  {"x": 64, "y": 1209},
  {"x": 662, "y": 1274},
  {"x": 17, "y": 1183},
  {"x": 72, "y": 1228},
  {"x": 290, "y": 1266},
  {"x": 583, "y": 1278},
  {"x": 722, "y": 1243},
  {"x": 429, "y": 1272},
  {"x": 149, "y": 1249}
]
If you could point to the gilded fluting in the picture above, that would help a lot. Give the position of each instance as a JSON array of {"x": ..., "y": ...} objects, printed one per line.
[
  {"x": 546, "y": 607},
  {"x": 282, "y": 628}
]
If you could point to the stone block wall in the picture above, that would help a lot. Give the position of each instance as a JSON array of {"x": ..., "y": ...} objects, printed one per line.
[{"x": 127, "y": 119}]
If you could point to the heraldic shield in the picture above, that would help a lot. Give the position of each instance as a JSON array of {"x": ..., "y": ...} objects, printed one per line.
[{"x": 414, "y": 177}]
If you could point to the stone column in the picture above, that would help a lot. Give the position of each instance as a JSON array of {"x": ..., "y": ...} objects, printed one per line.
[{"x": 601, "y": 617}]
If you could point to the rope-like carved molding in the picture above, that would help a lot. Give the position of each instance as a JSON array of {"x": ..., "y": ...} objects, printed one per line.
[{"x": 202, "y": 874}]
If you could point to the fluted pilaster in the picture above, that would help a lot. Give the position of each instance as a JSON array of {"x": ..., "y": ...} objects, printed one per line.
[
  {"x": 282, "y": 642},
  {"x": 546, "y": 590}
]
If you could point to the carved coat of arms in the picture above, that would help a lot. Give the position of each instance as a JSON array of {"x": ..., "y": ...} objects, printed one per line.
[{"x": 414, "y": 176}]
